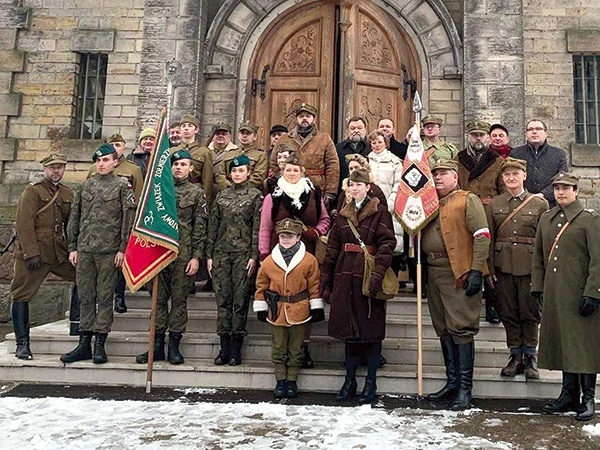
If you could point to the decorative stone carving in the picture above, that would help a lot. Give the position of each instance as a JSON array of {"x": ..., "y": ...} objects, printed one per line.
[
  {"x": 374, "y": 108},
  {"x": 299, "y": 55},
  {"x": 375, "y": 48}
]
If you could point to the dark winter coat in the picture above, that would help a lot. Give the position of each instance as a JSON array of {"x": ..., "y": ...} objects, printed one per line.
[
  {"x": 345, "y": 148},
  {"x": 398, "y": 148},
  {"x": 542, "y": 166},
  {"x": 353, "y": 316}
]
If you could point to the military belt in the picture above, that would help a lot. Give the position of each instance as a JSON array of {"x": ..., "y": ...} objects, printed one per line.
[
  {"x": 314, "y": 172},
  {"x": 355, "y": 248},
  {"x": 437, "y": 255},
  {"x": 58, "y": 228},
  {"x": 517, "y": 239},
  {"x": 294, "y": 298}
]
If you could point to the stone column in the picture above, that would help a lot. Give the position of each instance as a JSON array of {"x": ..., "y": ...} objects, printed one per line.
[
  {"x": 173, "y": 30},
  {"x": 494, "y": 83}
]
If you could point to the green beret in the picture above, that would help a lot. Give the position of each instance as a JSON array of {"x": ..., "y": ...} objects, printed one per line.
[
  {"x": 238, "y": 161},
  {"x": 565, "y": 178},
  {"x": 291, "y": 226},
  {"x": 514, "y": 162},
  {"x": 446, "y": 164},
  {"x": 180, "y": 154},
  {"x": 103, "y": 150},
  {"x": 54, "y": 158},
  {"x": 188, "y": 118}
]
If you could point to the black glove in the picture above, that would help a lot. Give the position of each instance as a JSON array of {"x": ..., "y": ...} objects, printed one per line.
[
  {"x": 34, "y": 263},
  {"x": 375, "y": 284},
  {"x": 588, "y": 306},
  {"x": 262, "y": 316},
  {"x": 474, "y": 283},
  {"x": 325, "y": 288},
  {"x": 539, "y": 296},
  {"x": 318, "y": 315}
]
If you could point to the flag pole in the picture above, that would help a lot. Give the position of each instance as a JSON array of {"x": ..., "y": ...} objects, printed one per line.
[
  {"x": 152, "y": 337},
  {"x": 171, "y": 68}
]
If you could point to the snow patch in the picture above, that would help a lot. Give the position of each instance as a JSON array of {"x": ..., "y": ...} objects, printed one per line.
[{"x": 594, "y": 430}]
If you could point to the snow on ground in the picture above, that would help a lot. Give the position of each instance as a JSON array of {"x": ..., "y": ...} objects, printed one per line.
[
  {"x": 594, "y": 430},
  {"x": 65, "y": 424}
]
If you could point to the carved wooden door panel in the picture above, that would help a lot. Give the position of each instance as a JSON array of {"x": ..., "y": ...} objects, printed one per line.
[{"x": 295, "y": 61}]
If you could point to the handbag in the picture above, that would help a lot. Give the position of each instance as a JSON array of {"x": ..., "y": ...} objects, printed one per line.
[{"x": 389, "y": 286}]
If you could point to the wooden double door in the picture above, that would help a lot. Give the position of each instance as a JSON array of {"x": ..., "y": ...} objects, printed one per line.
[{"x": 347, "y": 58}]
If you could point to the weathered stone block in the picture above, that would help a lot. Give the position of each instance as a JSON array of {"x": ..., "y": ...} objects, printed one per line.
[
  {"x": 79, "y": 150},
  {"x": 585, "y": 155},
  {"x": 12, "y": 61},
  {"x": 14, "y": 17},
  {"x": 241, "y": 16},
  {"x": 93, "y": 41},
  {"x": 583, "y": 40},
  {"x": 8, "y": 149}
]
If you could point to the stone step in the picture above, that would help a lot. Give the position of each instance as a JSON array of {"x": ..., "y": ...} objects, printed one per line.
[{"x": 201, "y": 321}]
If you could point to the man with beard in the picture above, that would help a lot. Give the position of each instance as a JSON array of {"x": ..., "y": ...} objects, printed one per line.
[
  {"x": 386, "y": 126},
  {"x": 316, "y": 149},
  {"x": 480, "y": 172},
  {"x": 355, "y": 144},
  {"x": 174, "y": 135}
]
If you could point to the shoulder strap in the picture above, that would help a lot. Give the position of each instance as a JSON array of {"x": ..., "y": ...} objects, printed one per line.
[
  {"x": 357, "y": 236},
  {"x": 556, "y": 239},
  {"x": 47, "y": 205},
  {"x": 514, "y": 213}
]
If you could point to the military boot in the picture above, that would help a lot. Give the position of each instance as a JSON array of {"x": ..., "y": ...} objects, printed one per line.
[
  {"x": 307, "y": 362},
  {"x": 531, "y": 369},
  {"x": 235, "y": 358},
  {"x": 465, "y": 360},
  {"x": 159, "y": 350},
  {"x": 175, "y": 356},
  {"x": 20, "y": 318},
  {"x": 280, "y": 389},
  {"x": 292, "y": 389},
  {"x": 100, "y": 356},
  {"x": 449, "y": 390},
  {"x": 74, "y": 312},
  {"x": 347, "y": 391},
  {"x": 514, "y": 367},
  {"x": 223, "y": 356},
  {"x": 568, "y": 400},
  {"x": 120, "y": 306},
  {"x": 369, "y": 392},
  {"x": 491, "y": 315},
  {"x": 588, "y": 388},
  {"x": 208, "y": 286},
  {"x": 83, "y": 350}
]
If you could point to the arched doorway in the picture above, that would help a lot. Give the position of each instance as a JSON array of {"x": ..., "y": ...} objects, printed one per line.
[{"x": 345, "y": 57}]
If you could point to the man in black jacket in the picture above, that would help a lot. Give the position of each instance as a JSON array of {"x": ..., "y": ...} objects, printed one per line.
[
  {"x": 386, "y": 126},
  {"x": 355, "y": 144}
]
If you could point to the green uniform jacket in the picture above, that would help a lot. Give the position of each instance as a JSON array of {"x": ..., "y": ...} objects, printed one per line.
[
  {"x": 128, "y": 170},
  {"x": 258, "y": 164},
  {"x": 43, "y": 234},
  {"x": 512, "y": 245},
  {"x": 102, "y": 215},
  {"x": 568, "y": 341},
  {"x": 439, "y": 150},
  {"x": 234, "y": 221},
  {"x": 192, "y": 217},
  {"x": 202, "y": 166}
]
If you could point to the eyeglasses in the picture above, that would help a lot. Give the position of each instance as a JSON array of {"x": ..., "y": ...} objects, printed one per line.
[{"x": 536, "y": 129}]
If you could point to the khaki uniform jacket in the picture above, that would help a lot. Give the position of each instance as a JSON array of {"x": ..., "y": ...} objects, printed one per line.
[
  {"x": 439, "y": 150},
  {"x": 568, "y": 341},
  {"x": 301, "y": 275},
  {"x": 217, "y": 158},
  {"x": 258, "y": 164},
  {"x": 319, "y": 157},
  {"x": 128, "y": 170},
  {"x": 202, "y": 166},
  {"x": 484, "y": 179},
  {"x": 43, "y": 234},
  {"x": 512, "y": 245}
]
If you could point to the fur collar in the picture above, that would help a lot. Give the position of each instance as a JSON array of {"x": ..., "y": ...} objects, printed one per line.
[
  {"x": 297, "y": 258},
  {"x": 367, "y": 210},
  {"x": 477, "y": 169}
]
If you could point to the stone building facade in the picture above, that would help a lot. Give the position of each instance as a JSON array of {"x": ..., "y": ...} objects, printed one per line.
[{"x": 499, "y": 60}]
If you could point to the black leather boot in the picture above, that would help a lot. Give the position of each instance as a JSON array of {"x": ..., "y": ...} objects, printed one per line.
[
  {"x": 74, "y": 313},
  {"x": 100, "y": 356},
  {"x": 235, "y": 358},
  {"x": 208, "y": 286},
  {"x": 280, "y": 389},
  {"x": 449, "y": 390},
  {"x": 568, "y": 400},
  {"x": 307, "y": 362},
  {"x": 588, "y": 388},
  {"x": 223, "y": 356},
  {"x": 369, "y": 392},
  {"x": 175, "y": 356},
  {"x": 292, "y": 389},
  {"x": 159, "y": 350},
  {"x": 120, "y": 306},
  {"x": 348, "y": 390},
  {"x": 465, "y": 360},
  {"x": 20, "y": 318},
  {"x": 83, "y": 350},
  {"x": 491, "y": 315}
]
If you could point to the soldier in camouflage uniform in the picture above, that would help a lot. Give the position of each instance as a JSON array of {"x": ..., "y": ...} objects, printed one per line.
[
  {"x": 98, "y": 231},
  {"x": 41, "y": 248},
  {"x": 133, "y": 174},
  {"x": 232, "y": 255},
  {"x": 192, "y": 216}
]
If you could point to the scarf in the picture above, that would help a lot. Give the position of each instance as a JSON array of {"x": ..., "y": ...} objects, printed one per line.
[
  {"x": 288, "y": 253},
  {"x": 293, "y": 191},
  {"x": 379, "y": 157},
  {"x": 503, "y": 151},
  {"x": 476, "y": 154},
  {"x": 304, "y": 132}
]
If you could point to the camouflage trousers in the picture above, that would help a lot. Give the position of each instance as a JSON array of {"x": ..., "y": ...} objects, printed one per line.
[
  {"x": 96, "y": 280},
  {"x": 26, "y": 283},
  {"x": 232, "y": 287},
  {"x": 172, "y": 284}
]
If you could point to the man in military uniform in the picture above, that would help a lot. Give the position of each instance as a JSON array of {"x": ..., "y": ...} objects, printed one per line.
[
  {"x": 41, "y": 246},
  {"x": 513, "y": 218},
  {"x": 98, "y": 231},
  {"x": 565, "y": 275},
  {"x": 220, "y": 143},
  {"x": 457, "y": 246},
  {"x": 316, "y": 149},
  {"x": 259, "y": 165},
  {"x": 434, "y": 146},
  {"x": 133, "y": 174},
  {"x": 192, "y": 217},
  {"x": 202, "y": 169}
]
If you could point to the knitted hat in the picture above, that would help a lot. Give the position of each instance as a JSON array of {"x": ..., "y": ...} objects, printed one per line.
[{"x": 147, "y": 132}]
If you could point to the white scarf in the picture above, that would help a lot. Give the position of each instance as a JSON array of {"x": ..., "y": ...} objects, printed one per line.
[
  {"x": 293, "y": 191},
  {"x": 379, "y": 157}
]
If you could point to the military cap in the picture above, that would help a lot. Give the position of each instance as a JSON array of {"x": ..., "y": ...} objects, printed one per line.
[
  {"x": 446, "y": 164},
  {"x": 565, "y": 178},
  {"x": 180, "y": 154},
  {"x": 360, "y": 176},
  {"x": 278, "y": 129},
  {"x": 294, "y": 159},
  {"x": 290, "y": 226},
  {"x": 283, "y": 147},
  {"x": 248, "y": 126},
  {"x": 432, "y": 119},
  {"x": 103, "y": 150},
  {"x": 499, "y": 126},
  {"x": 222, "y": 127},
  {"x": 116, "y": 137},
  {"x": 514, "y": 162},
  {"x": 147, "y": 132},
  {"x": 305, "y": 107},
  {"x": 238, "y": 161},
  {"x": 54, "y": 158},
  {"x": 188, "y": 118},
  {"x": 478, "y": 126}
]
